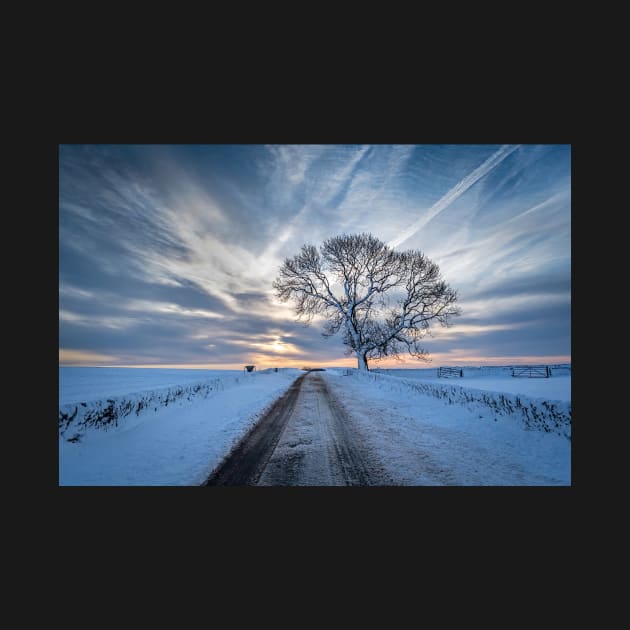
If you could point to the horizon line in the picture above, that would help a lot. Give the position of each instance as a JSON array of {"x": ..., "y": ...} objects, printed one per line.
[{"x": 470, "y": 362}]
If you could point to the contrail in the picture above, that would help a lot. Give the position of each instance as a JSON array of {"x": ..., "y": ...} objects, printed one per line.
[{"x": 457, "y": 191}]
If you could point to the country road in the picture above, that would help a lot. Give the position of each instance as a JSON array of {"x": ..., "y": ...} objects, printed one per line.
[{"x": 305, "y": 439}]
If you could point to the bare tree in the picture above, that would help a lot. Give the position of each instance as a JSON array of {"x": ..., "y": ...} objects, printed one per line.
[{"x": 382, "y": 300}]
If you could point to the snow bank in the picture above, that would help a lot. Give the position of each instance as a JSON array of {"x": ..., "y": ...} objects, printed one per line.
[
  {"x": 108, "y": 412},
  {"x": 534, "y": 413},
  {"x": 105, "y": 414}
]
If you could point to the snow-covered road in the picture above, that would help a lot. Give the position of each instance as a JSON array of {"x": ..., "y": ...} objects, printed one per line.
[{"x": 306, "y": 439}]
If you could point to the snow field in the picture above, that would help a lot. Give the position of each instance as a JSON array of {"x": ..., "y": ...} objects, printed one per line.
[{"x": 176, "y": 438}]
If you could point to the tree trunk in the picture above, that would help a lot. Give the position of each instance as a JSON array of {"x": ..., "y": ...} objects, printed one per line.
[{"x": 362, "y": 362}]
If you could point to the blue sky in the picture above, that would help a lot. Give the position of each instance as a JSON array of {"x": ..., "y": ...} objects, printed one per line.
[{"x": 167, "y": 253}]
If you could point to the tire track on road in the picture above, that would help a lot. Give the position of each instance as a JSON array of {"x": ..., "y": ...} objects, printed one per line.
[
  {"x": 246, "y": 462},
  {"x": 306, "y": 439}
]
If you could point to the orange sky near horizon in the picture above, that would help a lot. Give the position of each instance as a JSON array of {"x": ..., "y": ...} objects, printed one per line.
[{"x": 266, "y": 361}]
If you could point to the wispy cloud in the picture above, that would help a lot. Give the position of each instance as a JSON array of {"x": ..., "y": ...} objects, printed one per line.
[
  {"x": 560, "y": 196},
  {"x": 67, "y": 290},
  {"x": 454, "y": 193},
  {"x": 335, "y": 173},
  {"x": 78, "y": 319},
  {"x": 514, "y": 304},
  {"x": 148, "y": 306},
  {"x": 460, "y": 330}
]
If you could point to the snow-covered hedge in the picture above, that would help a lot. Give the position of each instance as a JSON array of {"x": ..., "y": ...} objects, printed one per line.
[
  {"x": 75, "y": 418},
  {"x": 535, "y": 413}
]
